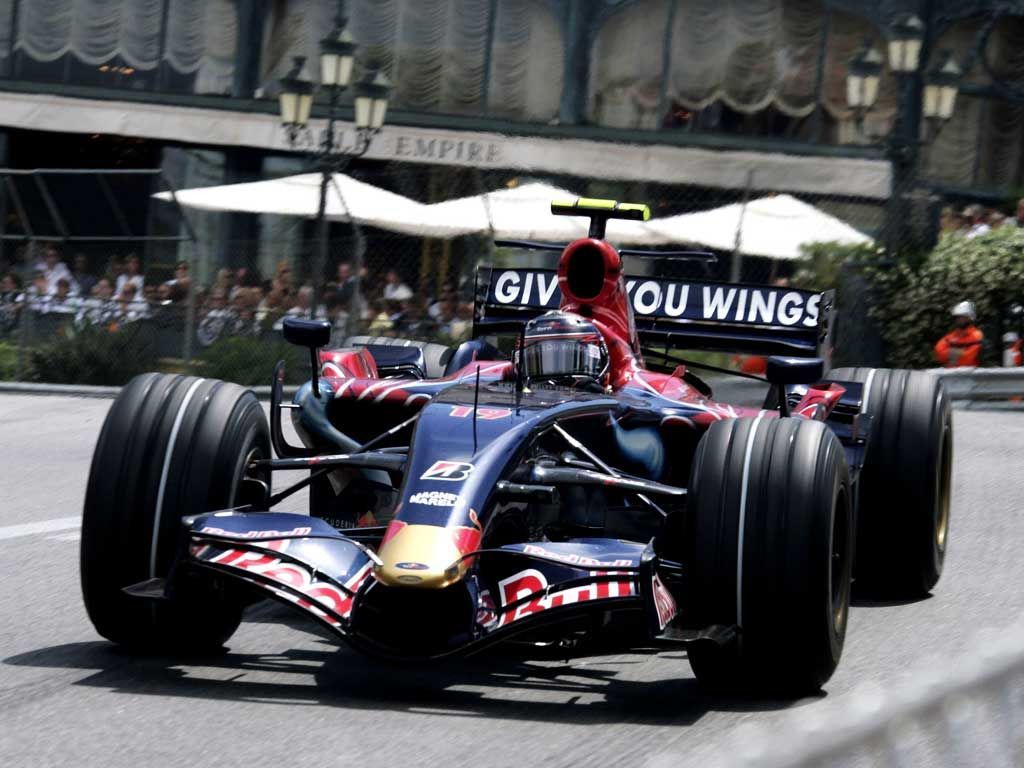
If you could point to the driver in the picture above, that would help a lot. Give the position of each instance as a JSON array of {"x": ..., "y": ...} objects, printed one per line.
[{"x": 563, "y": 349}]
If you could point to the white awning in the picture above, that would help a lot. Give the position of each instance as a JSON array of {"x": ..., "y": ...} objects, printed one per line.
[
  {"x": 347, "y": 200},
  {"x": 519, "y": 213},
  {"x": 775, "y": 227},
  {"x": 524, "y": 213}
]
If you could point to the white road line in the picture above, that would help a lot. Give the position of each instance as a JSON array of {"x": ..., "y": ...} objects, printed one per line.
[{"x": 43, "y": 526}]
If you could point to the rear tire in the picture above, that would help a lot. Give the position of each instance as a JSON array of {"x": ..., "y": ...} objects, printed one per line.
[
  {"x": 769, "y": 550},
  {"x": 170, "y": 446},
  {"x": 906, "y": 484}
]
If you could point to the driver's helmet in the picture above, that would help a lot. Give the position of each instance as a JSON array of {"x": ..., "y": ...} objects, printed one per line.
[{"x": 564, "y": 349}]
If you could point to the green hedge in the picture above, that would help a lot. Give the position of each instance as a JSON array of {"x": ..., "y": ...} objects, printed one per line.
[
  {"x": 93, "y": 356},
  {"x": 914, "y": 305},
  {"x": 8, "y": 361},
  {"x": 251, "y": 361}
]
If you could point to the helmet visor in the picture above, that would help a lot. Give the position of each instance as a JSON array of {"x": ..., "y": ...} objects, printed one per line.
[{"x": 562, "y": 357}]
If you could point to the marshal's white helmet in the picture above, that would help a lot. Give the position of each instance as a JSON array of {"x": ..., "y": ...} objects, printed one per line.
[{"x": 965, "y": 309}]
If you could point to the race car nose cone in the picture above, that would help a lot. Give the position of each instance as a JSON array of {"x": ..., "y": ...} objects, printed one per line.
[{"x": 423, "y": 556}]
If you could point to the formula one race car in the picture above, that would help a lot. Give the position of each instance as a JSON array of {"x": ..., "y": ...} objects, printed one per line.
[{"x": 585, "y": 476}]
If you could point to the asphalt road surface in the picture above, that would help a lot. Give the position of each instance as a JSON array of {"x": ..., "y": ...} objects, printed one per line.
[{"x": 285, "y": 695}]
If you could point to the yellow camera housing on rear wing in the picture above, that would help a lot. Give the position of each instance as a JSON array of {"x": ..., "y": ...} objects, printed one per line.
[
  {"x": 609, "y": 209},
  {"x": 599, "y": 211}
]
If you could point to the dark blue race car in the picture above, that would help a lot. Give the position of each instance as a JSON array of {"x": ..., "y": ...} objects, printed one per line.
[{"x": 585, "y": 477}]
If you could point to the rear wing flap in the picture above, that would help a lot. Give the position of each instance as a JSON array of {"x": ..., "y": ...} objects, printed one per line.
[{"x": 677, "y": 314}]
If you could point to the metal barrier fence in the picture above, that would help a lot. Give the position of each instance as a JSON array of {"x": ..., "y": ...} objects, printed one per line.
[
  {"x": 968, "y": 714},
  {"x": 984, "y": 384}
]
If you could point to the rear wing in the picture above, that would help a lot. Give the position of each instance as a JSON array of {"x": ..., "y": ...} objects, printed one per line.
[{"x": 691, "y": 314}]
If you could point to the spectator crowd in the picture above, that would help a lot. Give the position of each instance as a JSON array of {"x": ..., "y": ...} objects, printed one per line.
[
  {"x": 239, "y": 302},
  {"x": 976, "y": 220}
]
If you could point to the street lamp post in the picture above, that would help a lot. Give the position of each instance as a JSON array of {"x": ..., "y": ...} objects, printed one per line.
[
  {"x": 337, "y": 55},
  {"x": 933, "y": 98}
]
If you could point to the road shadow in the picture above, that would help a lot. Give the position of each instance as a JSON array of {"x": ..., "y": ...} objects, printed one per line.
[
  {"x": 866, "y": 599},
  {"x": 593, "y": 686}
]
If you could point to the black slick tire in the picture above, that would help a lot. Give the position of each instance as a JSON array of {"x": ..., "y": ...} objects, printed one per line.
[
  {"x": 170, "y": 446},
  {"x": 905, "y": 486},
  {"x": 769, "y": 550}
]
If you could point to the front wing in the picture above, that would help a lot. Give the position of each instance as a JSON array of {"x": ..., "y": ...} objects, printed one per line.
[{"x": 309, "y": 565}]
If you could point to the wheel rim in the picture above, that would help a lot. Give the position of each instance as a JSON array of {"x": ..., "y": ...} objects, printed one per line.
[
  {"x": 944, "y": 490},
  {"x": 839, "y": 573}
]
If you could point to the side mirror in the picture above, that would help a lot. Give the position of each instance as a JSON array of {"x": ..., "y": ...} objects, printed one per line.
[
  {"x": 792, "y": 370},
  {"x": 307, "y": 333},
  {"x": 312, "y": 334}
]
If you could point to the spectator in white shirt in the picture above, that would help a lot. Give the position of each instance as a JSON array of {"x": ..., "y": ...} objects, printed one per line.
[
  {"x": 100, "y": 307},
  {"x": 129, "y": 307},
  {"x": 131, "y": 276},
  {"x": 975, "y": 217},
  {"x": 303, "y": 305},
  {"x": 55, "y": 270},
  {"x": 62, "y": 302},
  {"x": 394, "y": 288}
]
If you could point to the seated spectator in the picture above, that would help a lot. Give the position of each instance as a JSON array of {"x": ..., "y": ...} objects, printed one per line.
[
  {"x": 394, "y": 288},
  {"x": 132, "y": 276},
  {"x": 37, "y": 294},
  {"x": 62, "y": 302},
  {"x": 115, "y": 268},
  {"x": 459, "y": 328},
  {"x": 10, "y": 301},
  {"x": 974, "y": 216},
  {"x": 81, "y": 276},
  {"x": 243, "y": 309},
  {"x": 181, "y": 276},
  {"x": 302, "y": 308},
  {"x": 272, "y": 307},
  {"x": 380, "y": 324},
  {"x": 445, "y": 318},
  {"x": 447, "y": 295},
  {"x": 130, "y": 307},
  {"x": 216, "y": 318},
  {"x": 283, "y": 277},
  {"x": 415, "y": 322},
  {"x": 98, "y": 308},
  {"x": 337, "y": 314},
  {"x": 55, "y": 270},
  {"x": 10, "y": 287},
  {"x": 345, "y": 282}
]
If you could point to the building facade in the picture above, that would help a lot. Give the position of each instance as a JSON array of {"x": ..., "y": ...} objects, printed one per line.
[{"x": 653, "y": 97}]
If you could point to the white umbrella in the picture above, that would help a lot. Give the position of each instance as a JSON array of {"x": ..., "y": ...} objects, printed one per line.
[
  {"x": 774, "y": 226},
  {"x": 524, "y": 213},
  {"x": 347, "y": 199}
]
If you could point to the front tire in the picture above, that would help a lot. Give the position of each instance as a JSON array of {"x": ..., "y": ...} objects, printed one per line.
[
  {"x": 770, "y": 552},
  {"x": 906, "y": 483},
  {"x": 170, "y": 446}
]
